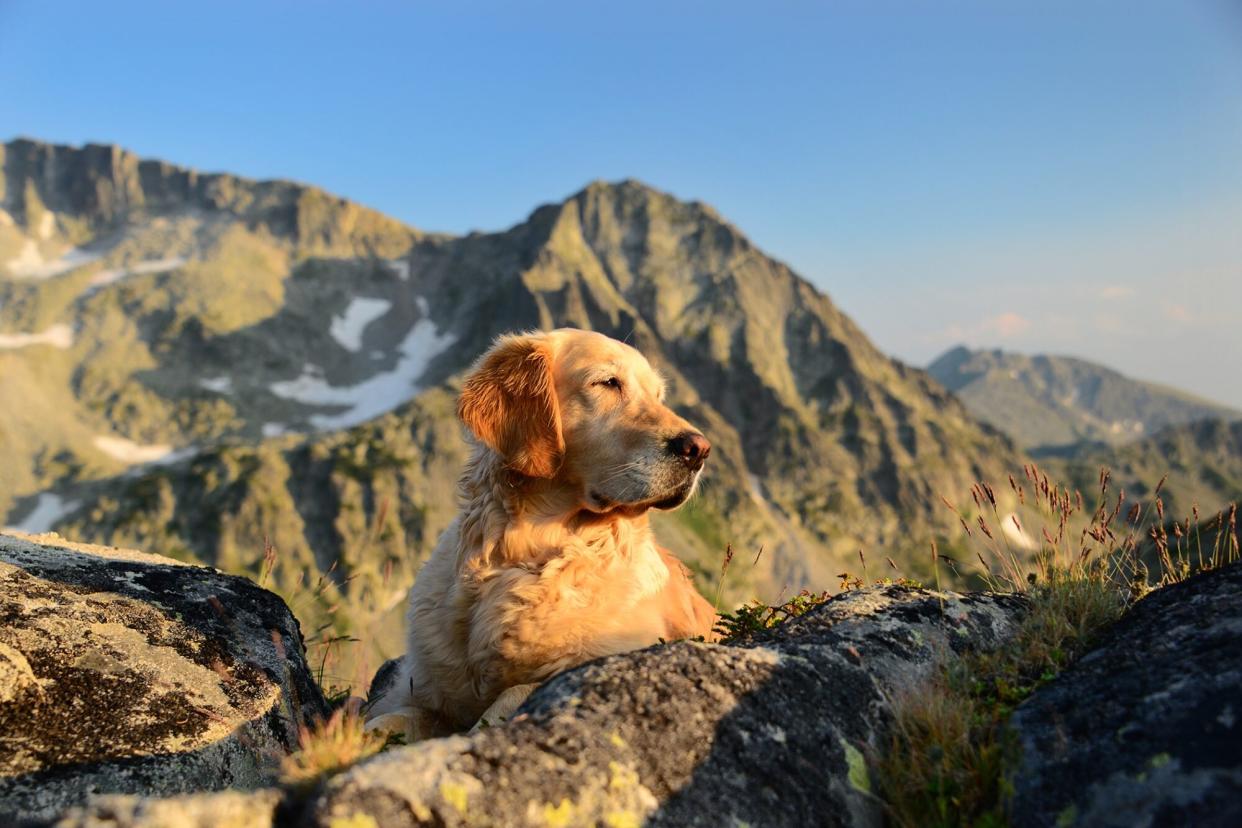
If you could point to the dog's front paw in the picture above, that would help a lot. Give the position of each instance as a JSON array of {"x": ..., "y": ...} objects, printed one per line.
[
  {"x": 399, "y": 724},
  {"x": 504, "y": 707}
]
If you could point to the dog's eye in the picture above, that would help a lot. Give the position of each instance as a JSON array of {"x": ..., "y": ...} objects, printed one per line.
[{"x": 611, "y": 382}]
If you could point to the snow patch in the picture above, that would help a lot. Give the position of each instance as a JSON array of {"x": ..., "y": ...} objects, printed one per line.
[
  {"x": 348, "y": 328},
  {"x": 755, "y": 488},
  {"x": 58, "y": 336},
  {"x": 1018, "y": 537},
  {"x": 49, "y": 509},
  {"x": 273, "y": 429},
  {"x": 221, "y": 385},
  {"x": 127, "y": 451},
  {"x": 401, "y": 267},
  {"x": 30, "y": 263},
  {"x": 377, "y": 395},
  {"x": 1126, "y": 427},
  {"x": 107, "y": 277},
  {"x": 47, "y": 225}
]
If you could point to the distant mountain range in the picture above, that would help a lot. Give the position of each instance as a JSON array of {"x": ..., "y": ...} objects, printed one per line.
[
  {"x": 1202, "y": 462},
  {"x": 208, "y": 366},
  {"x": 1061, "y": 406}
]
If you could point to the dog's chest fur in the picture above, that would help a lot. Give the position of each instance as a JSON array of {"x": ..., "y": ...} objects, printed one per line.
[
  {"x": 509, "y": 599},
  {"x": 548, "y": 598}
]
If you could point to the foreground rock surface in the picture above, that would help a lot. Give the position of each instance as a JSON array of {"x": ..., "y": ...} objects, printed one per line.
[
  {"x": 1145, "y": 730},
  {"x": 769, "y": 732},
  {"x": 772, "y": 732},
  {"x": 123, "y": 672}
]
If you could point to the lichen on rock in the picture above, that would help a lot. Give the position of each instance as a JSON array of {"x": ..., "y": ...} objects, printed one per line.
[{"x": 124, "y": 672}]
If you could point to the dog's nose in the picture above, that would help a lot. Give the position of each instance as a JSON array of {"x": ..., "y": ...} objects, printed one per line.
[{"x": 692, "y": 448}]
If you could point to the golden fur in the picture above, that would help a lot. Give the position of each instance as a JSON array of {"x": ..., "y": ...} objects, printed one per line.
[{"x": 551, "y": 561}]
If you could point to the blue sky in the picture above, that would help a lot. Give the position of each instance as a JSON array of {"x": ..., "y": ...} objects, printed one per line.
[{"x": 1050, "y": 177}]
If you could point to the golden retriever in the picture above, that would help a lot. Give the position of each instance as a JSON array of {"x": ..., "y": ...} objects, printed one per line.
[{"x": 551, "y": 561}]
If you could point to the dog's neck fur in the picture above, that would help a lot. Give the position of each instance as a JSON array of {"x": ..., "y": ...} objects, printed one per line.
[{"x": 511, "y": 520}]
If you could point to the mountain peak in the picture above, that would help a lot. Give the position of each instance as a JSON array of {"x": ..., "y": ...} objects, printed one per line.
[
  {"x": 625, "y": 186},
  {"x": 98, "y": 188},
  {"x": 634, "y": 191}
]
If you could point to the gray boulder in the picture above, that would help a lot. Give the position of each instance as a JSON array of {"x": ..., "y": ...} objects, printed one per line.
[
  {"x": 772, "y": 731},
  {"x": 1146, "y": 729},
  {"x": 222, "y": 809},
  {"x": 123, "y": 672}
]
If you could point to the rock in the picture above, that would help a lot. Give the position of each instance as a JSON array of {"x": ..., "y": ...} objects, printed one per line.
[
  {"x": 1146, "y": 729},
  {"x": 773, "y": 731},
  {"x": 123, "y": 672},
  {"x": 227, "y": 809}
]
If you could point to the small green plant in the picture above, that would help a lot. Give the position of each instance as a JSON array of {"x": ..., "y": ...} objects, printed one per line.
[{"x": 757, "y": 616}]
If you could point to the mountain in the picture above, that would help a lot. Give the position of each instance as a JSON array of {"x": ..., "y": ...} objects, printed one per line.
[
  {"x": 211, "y": 367},
  {"x": 1202, "y": 462},
  {"x": 1056, "y": 406},
  {"x": 128, "y": 288}
]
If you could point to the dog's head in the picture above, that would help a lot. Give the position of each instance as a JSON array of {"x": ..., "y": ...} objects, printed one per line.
[{"x": 586, "y": 413}]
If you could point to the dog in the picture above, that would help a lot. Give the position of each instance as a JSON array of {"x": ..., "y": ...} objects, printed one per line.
[{"x": 551, "y": 561}]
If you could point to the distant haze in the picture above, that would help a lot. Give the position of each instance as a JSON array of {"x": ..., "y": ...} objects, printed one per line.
[{"x": 1050, "y": 177}]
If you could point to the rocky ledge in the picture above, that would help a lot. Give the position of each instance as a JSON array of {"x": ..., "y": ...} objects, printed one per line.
[
  {"x": 770, "y": 731},
  {"x": 774, "y": 730},
  {"x": 122, "y": 672}
]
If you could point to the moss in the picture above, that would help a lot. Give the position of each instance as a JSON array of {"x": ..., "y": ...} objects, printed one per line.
[
  {"x": 1159, "y": 761},
  {"x": 622, "y": 819},
  {"x": 857, "y": 773}
]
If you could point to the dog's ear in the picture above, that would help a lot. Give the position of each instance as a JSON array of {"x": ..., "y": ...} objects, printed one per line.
[{"x": 509, "y": 402}]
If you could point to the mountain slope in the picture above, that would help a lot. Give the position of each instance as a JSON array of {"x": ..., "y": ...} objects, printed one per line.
[
  {"x": 346, "y": 353},
  {"x": 1202, "y": 461},
  {"x": 1056, "y": 405},
  {"x": 124, "y": 284}
]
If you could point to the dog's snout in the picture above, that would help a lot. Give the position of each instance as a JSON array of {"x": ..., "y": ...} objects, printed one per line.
[{"x": 692, "y": 448}]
